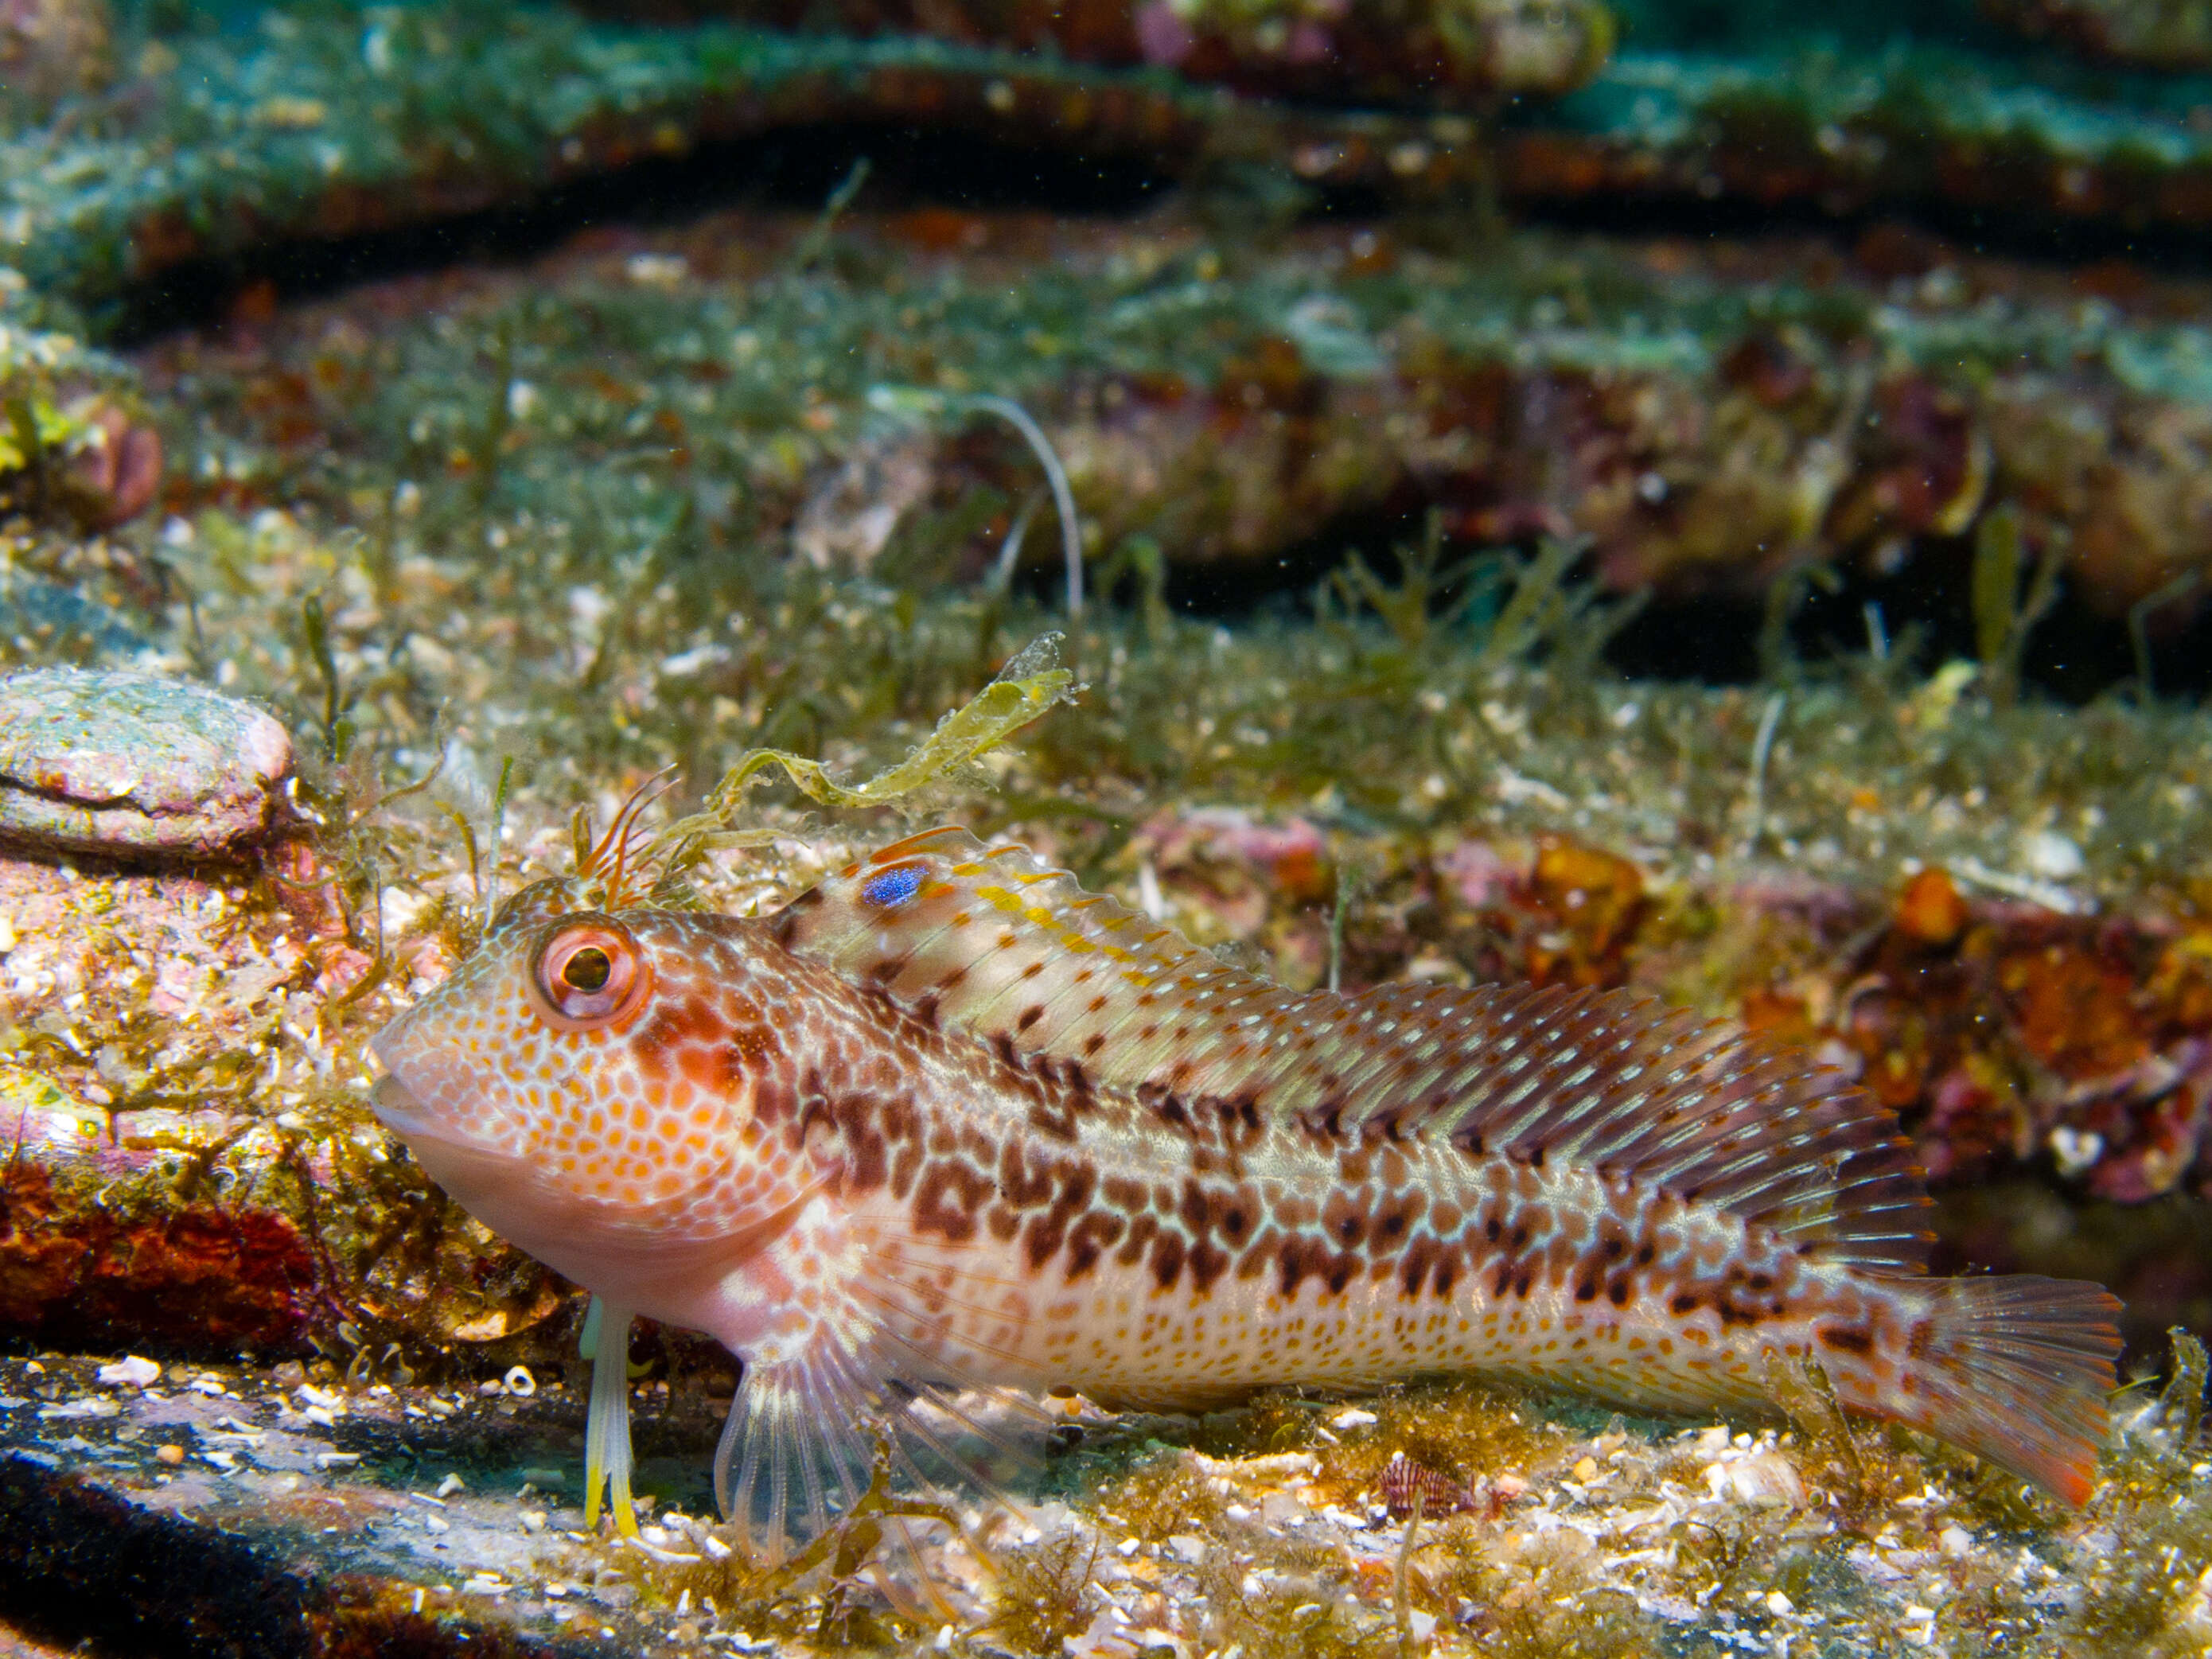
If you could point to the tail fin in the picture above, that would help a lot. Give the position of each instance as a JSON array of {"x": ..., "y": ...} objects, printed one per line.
[{"x": 2017, "y": 1368}]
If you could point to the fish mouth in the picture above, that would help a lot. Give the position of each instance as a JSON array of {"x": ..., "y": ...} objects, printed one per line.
[
  {"x": 398, "y": 1107},
  {"x": 398, "y": 1110},
  {"x": 449, "y": 1154}
]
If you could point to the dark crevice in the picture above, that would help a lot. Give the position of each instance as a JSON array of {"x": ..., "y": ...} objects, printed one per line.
[
  {"x": 2028, "y": 237},
  {"x": 84, "y": 1568},
  {"x": 798, "y": 168},
  {"x": 2155, "y": 1256},
  {"x": 792, "y": 168},
  {"x": 2075, "y": 654}
]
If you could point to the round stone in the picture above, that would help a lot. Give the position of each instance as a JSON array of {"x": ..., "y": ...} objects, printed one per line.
[{"x": 129, "y": 765}]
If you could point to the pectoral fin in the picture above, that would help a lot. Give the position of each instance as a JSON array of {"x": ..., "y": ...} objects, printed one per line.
[{"x": 847, "y": 1420}]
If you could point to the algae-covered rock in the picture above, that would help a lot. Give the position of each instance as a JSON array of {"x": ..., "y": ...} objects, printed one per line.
[
  {"x": 51, "y": 49},
  {"x": 1429, "y": 52},
  {"x": 436, "y": 110},
  {"x": 1228, "y": 414},
  {"x": 71, "y": 441},
  {"x": 2167, "y": 34},
  {"x": 125, "y": 763}
]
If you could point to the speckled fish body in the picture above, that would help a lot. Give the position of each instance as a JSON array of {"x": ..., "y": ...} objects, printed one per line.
[{"x": 948, "y": 1120}]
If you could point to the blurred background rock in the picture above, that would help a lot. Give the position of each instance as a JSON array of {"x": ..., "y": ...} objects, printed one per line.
[{"x": 51, "y": 50}]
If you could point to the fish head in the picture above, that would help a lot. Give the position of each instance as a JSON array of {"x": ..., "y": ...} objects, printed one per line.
[{"x": 587, "y": 1078}]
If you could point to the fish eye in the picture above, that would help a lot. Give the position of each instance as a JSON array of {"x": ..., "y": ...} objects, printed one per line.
[{"x": 590, "y": 974}]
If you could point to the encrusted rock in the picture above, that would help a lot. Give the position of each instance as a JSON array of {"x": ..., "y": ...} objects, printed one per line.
[
  {"x": 2148, "y": 33},
  {"x": 51, "y": 49},
  {"x": 1423, "y": 52},
  {"x": 128, "y": 764}
]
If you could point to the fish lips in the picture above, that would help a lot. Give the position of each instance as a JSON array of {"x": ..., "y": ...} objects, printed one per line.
[
  {"x": 482, "y": 1177},
  {"x": 398, "y": 1110},
  {"x": 414, "y": 1116}
]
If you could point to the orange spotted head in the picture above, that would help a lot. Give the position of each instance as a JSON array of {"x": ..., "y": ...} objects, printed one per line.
[{"x": 586, "y": 1084}]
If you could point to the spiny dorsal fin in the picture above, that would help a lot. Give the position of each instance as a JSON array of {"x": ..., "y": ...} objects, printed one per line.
[{"x": 994, "y": 942}]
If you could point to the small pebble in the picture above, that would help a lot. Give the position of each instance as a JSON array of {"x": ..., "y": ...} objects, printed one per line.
[
  {"x": 133, "y": 1373},
  {"x": 2053, "y": 857},
  {"x": 172, "y": 1454}
]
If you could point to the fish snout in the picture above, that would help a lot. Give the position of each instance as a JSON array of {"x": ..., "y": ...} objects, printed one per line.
[{"x": 428, "y": 1091}]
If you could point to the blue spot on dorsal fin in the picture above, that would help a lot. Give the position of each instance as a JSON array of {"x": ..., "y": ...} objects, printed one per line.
[{"x": 894, "y": 886}]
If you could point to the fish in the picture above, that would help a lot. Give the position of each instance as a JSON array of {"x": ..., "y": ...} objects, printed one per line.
[
  {"x": 1408, "y": 1487},
  {"x": 948, "y": 1126}
]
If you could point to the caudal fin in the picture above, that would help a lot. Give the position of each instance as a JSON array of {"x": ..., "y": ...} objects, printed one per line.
[{"x": 2017, "y": 1368}]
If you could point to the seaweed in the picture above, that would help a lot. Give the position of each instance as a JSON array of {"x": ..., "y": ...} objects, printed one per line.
[
  {"x": 2147, "y": 1594},
  {"x": 1044, "y": 1593},
  {"x": 1029, "y": 685},
  {"x": 907, "y": 400},
  {"x": 2005, "y": 612}
]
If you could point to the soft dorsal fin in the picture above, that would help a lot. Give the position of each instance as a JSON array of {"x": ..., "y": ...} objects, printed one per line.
[{"x": 994, "y": 942}]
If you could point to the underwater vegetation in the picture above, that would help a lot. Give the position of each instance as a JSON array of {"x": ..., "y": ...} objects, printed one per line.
[
  {"x": 1756, "y": 422},
  {"x": 71, "y": 444}
]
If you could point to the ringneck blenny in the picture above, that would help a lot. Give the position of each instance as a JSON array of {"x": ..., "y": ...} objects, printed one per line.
[{"x": 947, "y": 1121}]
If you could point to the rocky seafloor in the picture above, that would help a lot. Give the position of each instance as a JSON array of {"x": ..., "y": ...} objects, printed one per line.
[
  {"x": 354, "y": 1417},
  {"x": 1870, "y": 404}
]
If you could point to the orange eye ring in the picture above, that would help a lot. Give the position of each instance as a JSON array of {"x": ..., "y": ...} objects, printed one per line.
[{"x": 590, "y": 974}]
